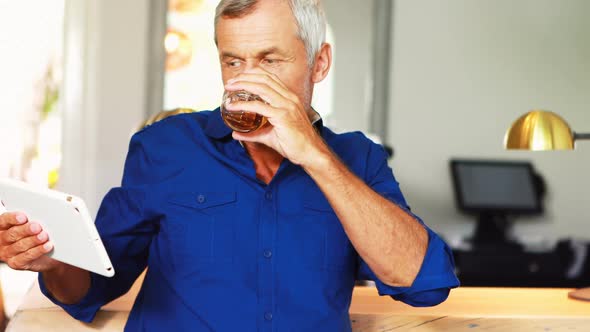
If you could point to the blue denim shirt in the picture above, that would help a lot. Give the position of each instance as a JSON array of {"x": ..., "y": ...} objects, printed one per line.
[{"x": 225, "y": 251}]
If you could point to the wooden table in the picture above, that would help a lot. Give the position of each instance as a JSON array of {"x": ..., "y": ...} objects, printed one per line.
[
  {"x": 2, "y": 312},
  {"x": 467, "y": 309},
  {"x": 474, "y": 309}
]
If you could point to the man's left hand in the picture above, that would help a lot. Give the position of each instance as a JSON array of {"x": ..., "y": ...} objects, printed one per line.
[{"x": 290, "y": 132}]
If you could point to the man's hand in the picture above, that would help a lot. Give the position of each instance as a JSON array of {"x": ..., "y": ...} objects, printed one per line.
[
  {"x": 291, "y": 133},
  {"x": 23, "y": 244}
]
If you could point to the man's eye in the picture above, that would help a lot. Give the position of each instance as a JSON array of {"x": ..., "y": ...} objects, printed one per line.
[
  {"x": 271, "y": 61},
  {"x": 234, "y": 63}
]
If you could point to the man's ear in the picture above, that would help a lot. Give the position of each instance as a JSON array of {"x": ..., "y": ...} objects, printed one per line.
[{"x": 323, "y": 62}]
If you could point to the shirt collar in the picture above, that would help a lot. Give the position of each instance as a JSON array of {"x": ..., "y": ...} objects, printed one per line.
[{"x": 217, "y": 129}]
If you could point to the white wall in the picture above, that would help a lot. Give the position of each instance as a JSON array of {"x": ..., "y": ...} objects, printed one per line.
[
  {"x": 463, "y": 70},
  {"x": 351, "y": 23},
  {"x": 105, "y": 92}
]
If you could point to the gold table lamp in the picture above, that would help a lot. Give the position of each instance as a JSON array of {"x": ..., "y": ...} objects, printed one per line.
[{"x": 539, "y": 131}]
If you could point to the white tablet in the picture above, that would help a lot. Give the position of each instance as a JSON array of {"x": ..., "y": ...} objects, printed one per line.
[{"x": 66, "y": 220}]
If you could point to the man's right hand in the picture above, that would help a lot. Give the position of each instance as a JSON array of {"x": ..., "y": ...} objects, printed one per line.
[{"x": 24, "y": 243}]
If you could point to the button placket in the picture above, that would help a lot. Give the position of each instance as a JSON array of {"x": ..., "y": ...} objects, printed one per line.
[{"x": 266, "y": 275}]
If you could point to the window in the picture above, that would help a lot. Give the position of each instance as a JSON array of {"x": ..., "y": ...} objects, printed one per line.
[{"x": 31, "y": 46}]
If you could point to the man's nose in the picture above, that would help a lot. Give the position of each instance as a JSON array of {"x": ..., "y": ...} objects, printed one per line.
[{"x": 253, "y": 68}]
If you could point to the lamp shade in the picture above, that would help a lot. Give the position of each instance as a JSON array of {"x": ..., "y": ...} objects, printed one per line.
[
  {"x": 539, "y": 130},
  {"x": 179, "y": 49}
]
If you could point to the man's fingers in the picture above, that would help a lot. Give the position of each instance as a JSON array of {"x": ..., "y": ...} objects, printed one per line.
[
  {"x": 26, "y": 244},
  {"x": 23, "y": 261},
  {"x": 10, "y": 219},
  {"x": 16, "y": 233}
]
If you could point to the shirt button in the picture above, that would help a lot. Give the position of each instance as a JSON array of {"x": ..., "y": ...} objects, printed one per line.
[
  {"x": 268, "y": 315},
  {"x": 267, "y": 253},
  {"x": 268, "y": 195},
  {"x": 201, "y": 198}
]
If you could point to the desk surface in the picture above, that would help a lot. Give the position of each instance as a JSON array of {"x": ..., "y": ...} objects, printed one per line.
[
  {"x": 2, "y": 314},
  {"x": 474, "y": 309},
  {"x": 466, "y": 309},
  {"x": 481, "y": 302}
]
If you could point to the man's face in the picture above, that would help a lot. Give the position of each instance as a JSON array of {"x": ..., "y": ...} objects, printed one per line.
[{"x": 265, "y": 40}]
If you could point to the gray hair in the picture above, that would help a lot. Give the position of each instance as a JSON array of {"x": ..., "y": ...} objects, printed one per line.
[{"x": 308, "y": 14}]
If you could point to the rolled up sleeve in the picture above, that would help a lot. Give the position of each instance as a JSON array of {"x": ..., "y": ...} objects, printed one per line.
[
  {"x": 436, "y": 276},
  {"x": 433, "y": 282},
  {"x": 126, "y": 232}
]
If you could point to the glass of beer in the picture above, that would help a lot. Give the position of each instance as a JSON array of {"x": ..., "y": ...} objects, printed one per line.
[{"x": 241, "y": 121}]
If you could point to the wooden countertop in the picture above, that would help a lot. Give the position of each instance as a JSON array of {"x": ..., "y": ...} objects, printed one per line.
[
  {"x": 481, "y": 302},
  {"x": 466, "y": 309},
  {"x": 474, "y": 309},
  {"x": 2, "y": 312}
]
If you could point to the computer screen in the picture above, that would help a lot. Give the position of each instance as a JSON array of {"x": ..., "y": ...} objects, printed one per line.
[{"x": 497, "y": 187}]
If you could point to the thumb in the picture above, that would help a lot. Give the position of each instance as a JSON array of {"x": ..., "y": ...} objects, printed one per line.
[
  {"x": 259, "y": 136},
  {"x": 243, "y": 137}
]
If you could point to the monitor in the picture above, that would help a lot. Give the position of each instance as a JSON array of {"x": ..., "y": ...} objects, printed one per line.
[
  {"x": 493, "y": 190},
  {"x": 506, "y": 187}
]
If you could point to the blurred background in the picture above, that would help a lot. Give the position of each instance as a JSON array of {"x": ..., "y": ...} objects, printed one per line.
[{"x": 434, "y": 80}]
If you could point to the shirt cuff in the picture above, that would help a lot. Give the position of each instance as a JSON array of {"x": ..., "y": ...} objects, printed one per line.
[
  {"x": 85, "y": 310},
  {"x": 434, "y": 280}
]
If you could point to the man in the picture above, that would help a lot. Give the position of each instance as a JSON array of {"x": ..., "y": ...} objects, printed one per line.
[{"x": 265, "y": 231}]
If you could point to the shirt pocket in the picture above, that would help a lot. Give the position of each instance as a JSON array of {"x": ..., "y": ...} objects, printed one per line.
[
  {"x": 337, "y": 250},
  {"x": 199, "y": 227}
]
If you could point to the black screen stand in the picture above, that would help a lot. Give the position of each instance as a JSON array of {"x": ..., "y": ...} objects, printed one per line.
[{"x": 491, "y": 232}]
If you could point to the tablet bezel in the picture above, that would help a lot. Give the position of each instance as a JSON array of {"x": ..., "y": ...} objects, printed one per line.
[{"x": 67, "y": 221}]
